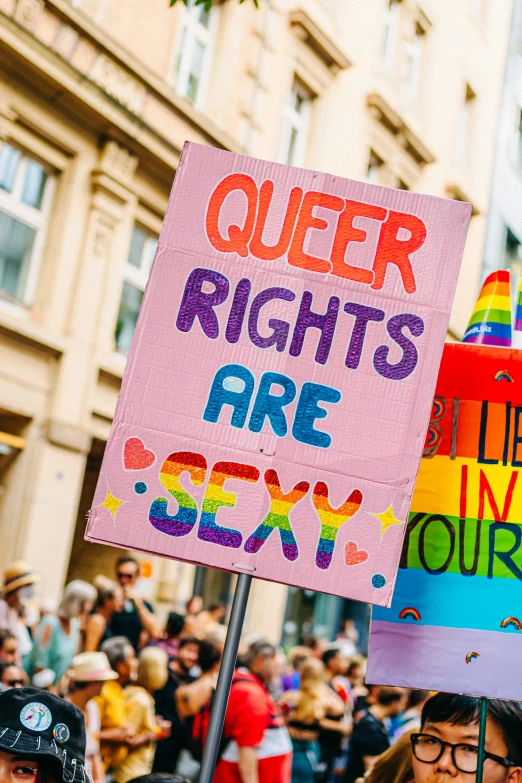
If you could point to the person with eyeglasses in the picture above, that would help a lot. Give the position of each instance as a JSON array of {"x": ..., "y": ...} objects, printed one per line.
[
  {"x": 11, "y": 676},
  {"x": 136, "y": 621},
  {"x": 446, "y": 748}
]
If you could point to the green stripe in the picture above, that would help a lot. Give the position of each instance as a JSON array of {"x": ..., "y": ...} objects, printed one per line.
[
  {"x": 211, "y": 506},
  {"x": 437, "y": 546},
  {"x": 277, "y": 520},
  {"x": 491, "y": 316},
  {"x": 329, "y": 532}
]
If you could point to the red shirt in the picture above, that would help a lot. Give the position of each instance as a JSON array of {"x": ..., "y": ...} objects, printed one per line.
[{"x": 254, "y": 720}]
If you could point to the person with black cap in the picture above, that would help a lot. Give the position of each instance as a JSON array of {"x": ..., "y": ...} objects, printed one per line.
[{"x": 42, "y": 738}]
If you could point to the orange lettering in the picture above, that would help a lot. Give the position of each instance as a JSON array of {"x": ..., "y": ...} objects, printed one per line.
[
  {"x": 257, "y": 246},
  {"x": 238, "y": 238},
  {"x": 346, "y": 233},
  {"x": 305, "y": 221},
  {"x": 392, "y": 250}
]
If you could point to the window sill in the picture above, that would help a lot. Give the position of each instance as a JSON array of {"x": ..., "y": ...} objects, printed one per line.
[{"x": 16, "y": 322}]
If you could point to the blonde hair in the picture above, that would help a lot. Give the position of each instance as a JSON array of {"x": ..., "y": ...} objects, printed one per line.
[
  {"x": 298, "y": 655},
  {"x": 395, "y": 765},
  {"x": 153, "y": 668},
  {"x": 310, "y": 705},
  {"x": 76, "y": 594}
]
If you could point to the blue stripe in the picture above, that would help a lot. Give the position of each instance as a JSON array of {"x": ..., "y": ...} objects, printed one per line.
[
  {"x": 493, "y": 330},
  {"x": 454, "y": 600}
]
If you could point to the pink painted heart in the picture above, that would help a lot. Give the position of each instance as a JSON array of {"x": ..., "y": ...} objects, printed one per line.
[
  {"x": 353, "y": 555},
  {"x": 136, "y": 456}
]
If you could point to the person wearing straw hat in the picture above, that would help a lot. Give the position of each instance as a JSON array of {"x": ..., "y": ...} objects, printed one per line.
[
  {"x": 42, "y": 738},
  {"x": 88, "y": 674},
  {"x": 19, "y": 581}
]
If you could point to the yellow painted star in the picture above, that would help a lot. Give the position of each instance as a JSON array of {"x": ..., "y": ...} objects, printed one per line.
[
  {"x": 387, "y": 519},
  {"x": 112, "y": 503}
]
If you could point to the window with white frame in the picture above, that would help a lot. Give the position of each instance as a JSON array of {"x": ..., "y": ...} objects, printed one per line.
[
  {"x": 389, "y": 34},
  {"x": 296, "y": 120},
  {"x": 195, "y": 51},
  {"x": 137, "y": 269},
  {"x": 25, "y": 195},
  {"x": 414, "y": 53}
]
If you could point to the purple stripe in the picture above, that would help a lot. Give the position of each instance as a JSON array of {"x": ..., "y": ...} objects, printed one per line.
[
  {"x": 518, "y": 324},
  {"x": 434, "y": 658}
]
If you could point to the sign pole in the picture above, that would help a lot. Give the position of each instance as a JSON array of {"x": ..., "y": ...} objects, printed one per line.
[
  {"x": 226, "y": 672},
  {"x": 482, "y": 738}
]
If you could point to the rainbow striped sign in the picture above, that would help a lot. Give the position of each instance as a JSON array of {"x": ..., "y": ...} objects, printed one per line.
[
  {"x": 455, "y": 623},
  {"x": 490, "y": 322},
  {"x": 518, "y": 312}
]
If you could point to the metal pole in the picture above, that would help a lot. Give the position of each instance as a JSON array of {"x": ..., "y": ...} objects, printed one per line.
[
  {"x": 482, "y": 738},
  {"x": 226, "y": 672},
  {"x": 198, "y": 581}
]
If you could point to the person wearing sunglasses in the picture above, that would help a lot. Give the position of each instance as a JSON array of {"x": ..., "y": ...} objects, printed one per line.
[
  {"x": 137, "y": 621},
  {"x": 42, "y": 738},
  {"x": 11, "y": 676},
  {"x": 446, "y": 748}
]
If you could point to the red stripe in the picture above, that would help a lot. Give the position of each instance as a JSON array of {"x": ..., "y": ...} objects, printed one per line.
[{"x": 468, "y": 373}]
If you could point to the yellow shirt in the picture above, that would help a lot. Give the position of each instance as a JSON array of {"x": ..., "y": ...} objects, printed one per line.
[
  {"x": 113, "y": 715},
  {"x": 140, "y": 715}
]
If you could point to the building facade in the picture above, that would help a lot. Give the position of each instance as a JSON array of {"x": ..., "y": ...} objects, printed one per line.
[{"x": 96, "y": 100}]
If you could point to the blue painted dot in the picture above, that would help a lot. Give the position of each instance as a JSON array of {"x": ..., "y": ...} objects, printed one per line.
[
  {"x": 378, "y": 581},
  {"x": 140, "y": 487}
]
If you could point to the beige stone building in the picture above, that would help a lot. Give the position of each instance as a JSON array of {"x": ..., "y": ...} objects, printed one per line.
[{"x": 96, "y": 100}]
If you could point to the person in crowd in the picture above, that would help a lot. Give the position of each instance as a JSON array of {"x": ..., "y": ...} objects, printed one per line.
[
  {"x": 169, "y": 749},
  {"x": 316, "y": 645},
  {"x": 42, "y": 738},
  {"x": 335, "y": 667},
  {"x": 366, "y": 699},
  {"x": 173, "y": 630},
  {"x": 8, "y": 646},
  {"x": 446, "y": 748},
  {"x": 296, "y": 658},
  {"x": 191, "y": 627},
  {"x": 57, "y": 638},
  {"x": 194, "y": 605},
  {"x": 191, "y": 698},
  {"x": 347, "y": 638},
  {"x": 217, "y": 636},
  {"x": 136, "y": 621},
  {"x": 354, "y": 675},
  {"x": 12, "y": 676},
  {"x": 370, "y": 735},
  {"x": 18, "y": 587},
  {"x": 395, "y": 765},
  {"x": 160, "y": 777},
  {"x": 257, "y": 748},
  {"x": 109, "y": 600},
  {"x": 116, "y": 733},
  {"x": 87, "y": 676},
  {"x": 410, "y": 720},
  {"x": 139, "y": 703},
  {"x": 208, "y": 619},
  {"x": 309, "y": 711}
]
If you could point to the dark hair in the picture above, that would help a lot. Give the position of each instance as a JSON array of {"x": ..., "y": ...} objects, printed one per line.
[
  {"x": 106, "y": 591},
  {"x": 159, "y": 777},
  {"x": 4, "y": 665},
  {"x": 127, "y": 559},
  {"x": 5, "y": 634},
  {"x": 116, "y": 650},
  {"x": 215, "y": 606},
  {"x": 417, "y": 697},
  {"x": 351, "y": 667},
  {"x": 313, "y": 642},
  {"x": 188, "y": 640},
  {"x": 388, "y": 695},
  {"x": 209, "y": 655},
  {"x": 464, "y": 710},
  {"x": 329, "y": 655},
  {"x": 174, "y": 626}
]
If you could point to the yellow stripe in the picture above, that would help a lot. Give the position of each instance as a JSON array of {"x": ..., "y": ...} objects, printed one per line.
[
  {"x": 438, "y": 488},
  {"x": 330, "y": 519},
  {"x": 281, "y": 507},
  {"x": 492, "y": 303}
]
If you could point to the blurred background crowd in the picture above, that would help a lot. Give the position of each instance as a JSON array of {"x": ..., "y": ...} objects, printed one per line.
[{"x": 146, "y": 687}]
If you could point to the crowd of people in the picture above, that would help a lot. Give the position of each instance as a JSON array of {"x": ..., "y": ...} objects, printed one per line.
[{"x": 142, "y": 692}]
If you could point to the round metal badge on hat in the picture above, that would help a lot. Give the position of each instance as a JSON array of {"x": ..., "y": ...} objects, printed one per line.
[
  {"x": 61, "y": 733},
  {"x": 36, "y": 716}
]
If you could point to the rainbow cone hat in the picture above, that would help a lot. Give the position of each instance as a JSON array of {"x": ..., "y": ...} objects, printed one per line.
[
  {"x": 490, "y": 323},
  {"x": 518, "y": 314}
]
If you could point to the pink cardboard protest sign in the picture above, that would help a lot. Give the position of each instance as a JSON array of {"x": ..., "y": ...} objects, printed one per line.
[{"x": 277, "y": 393}]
